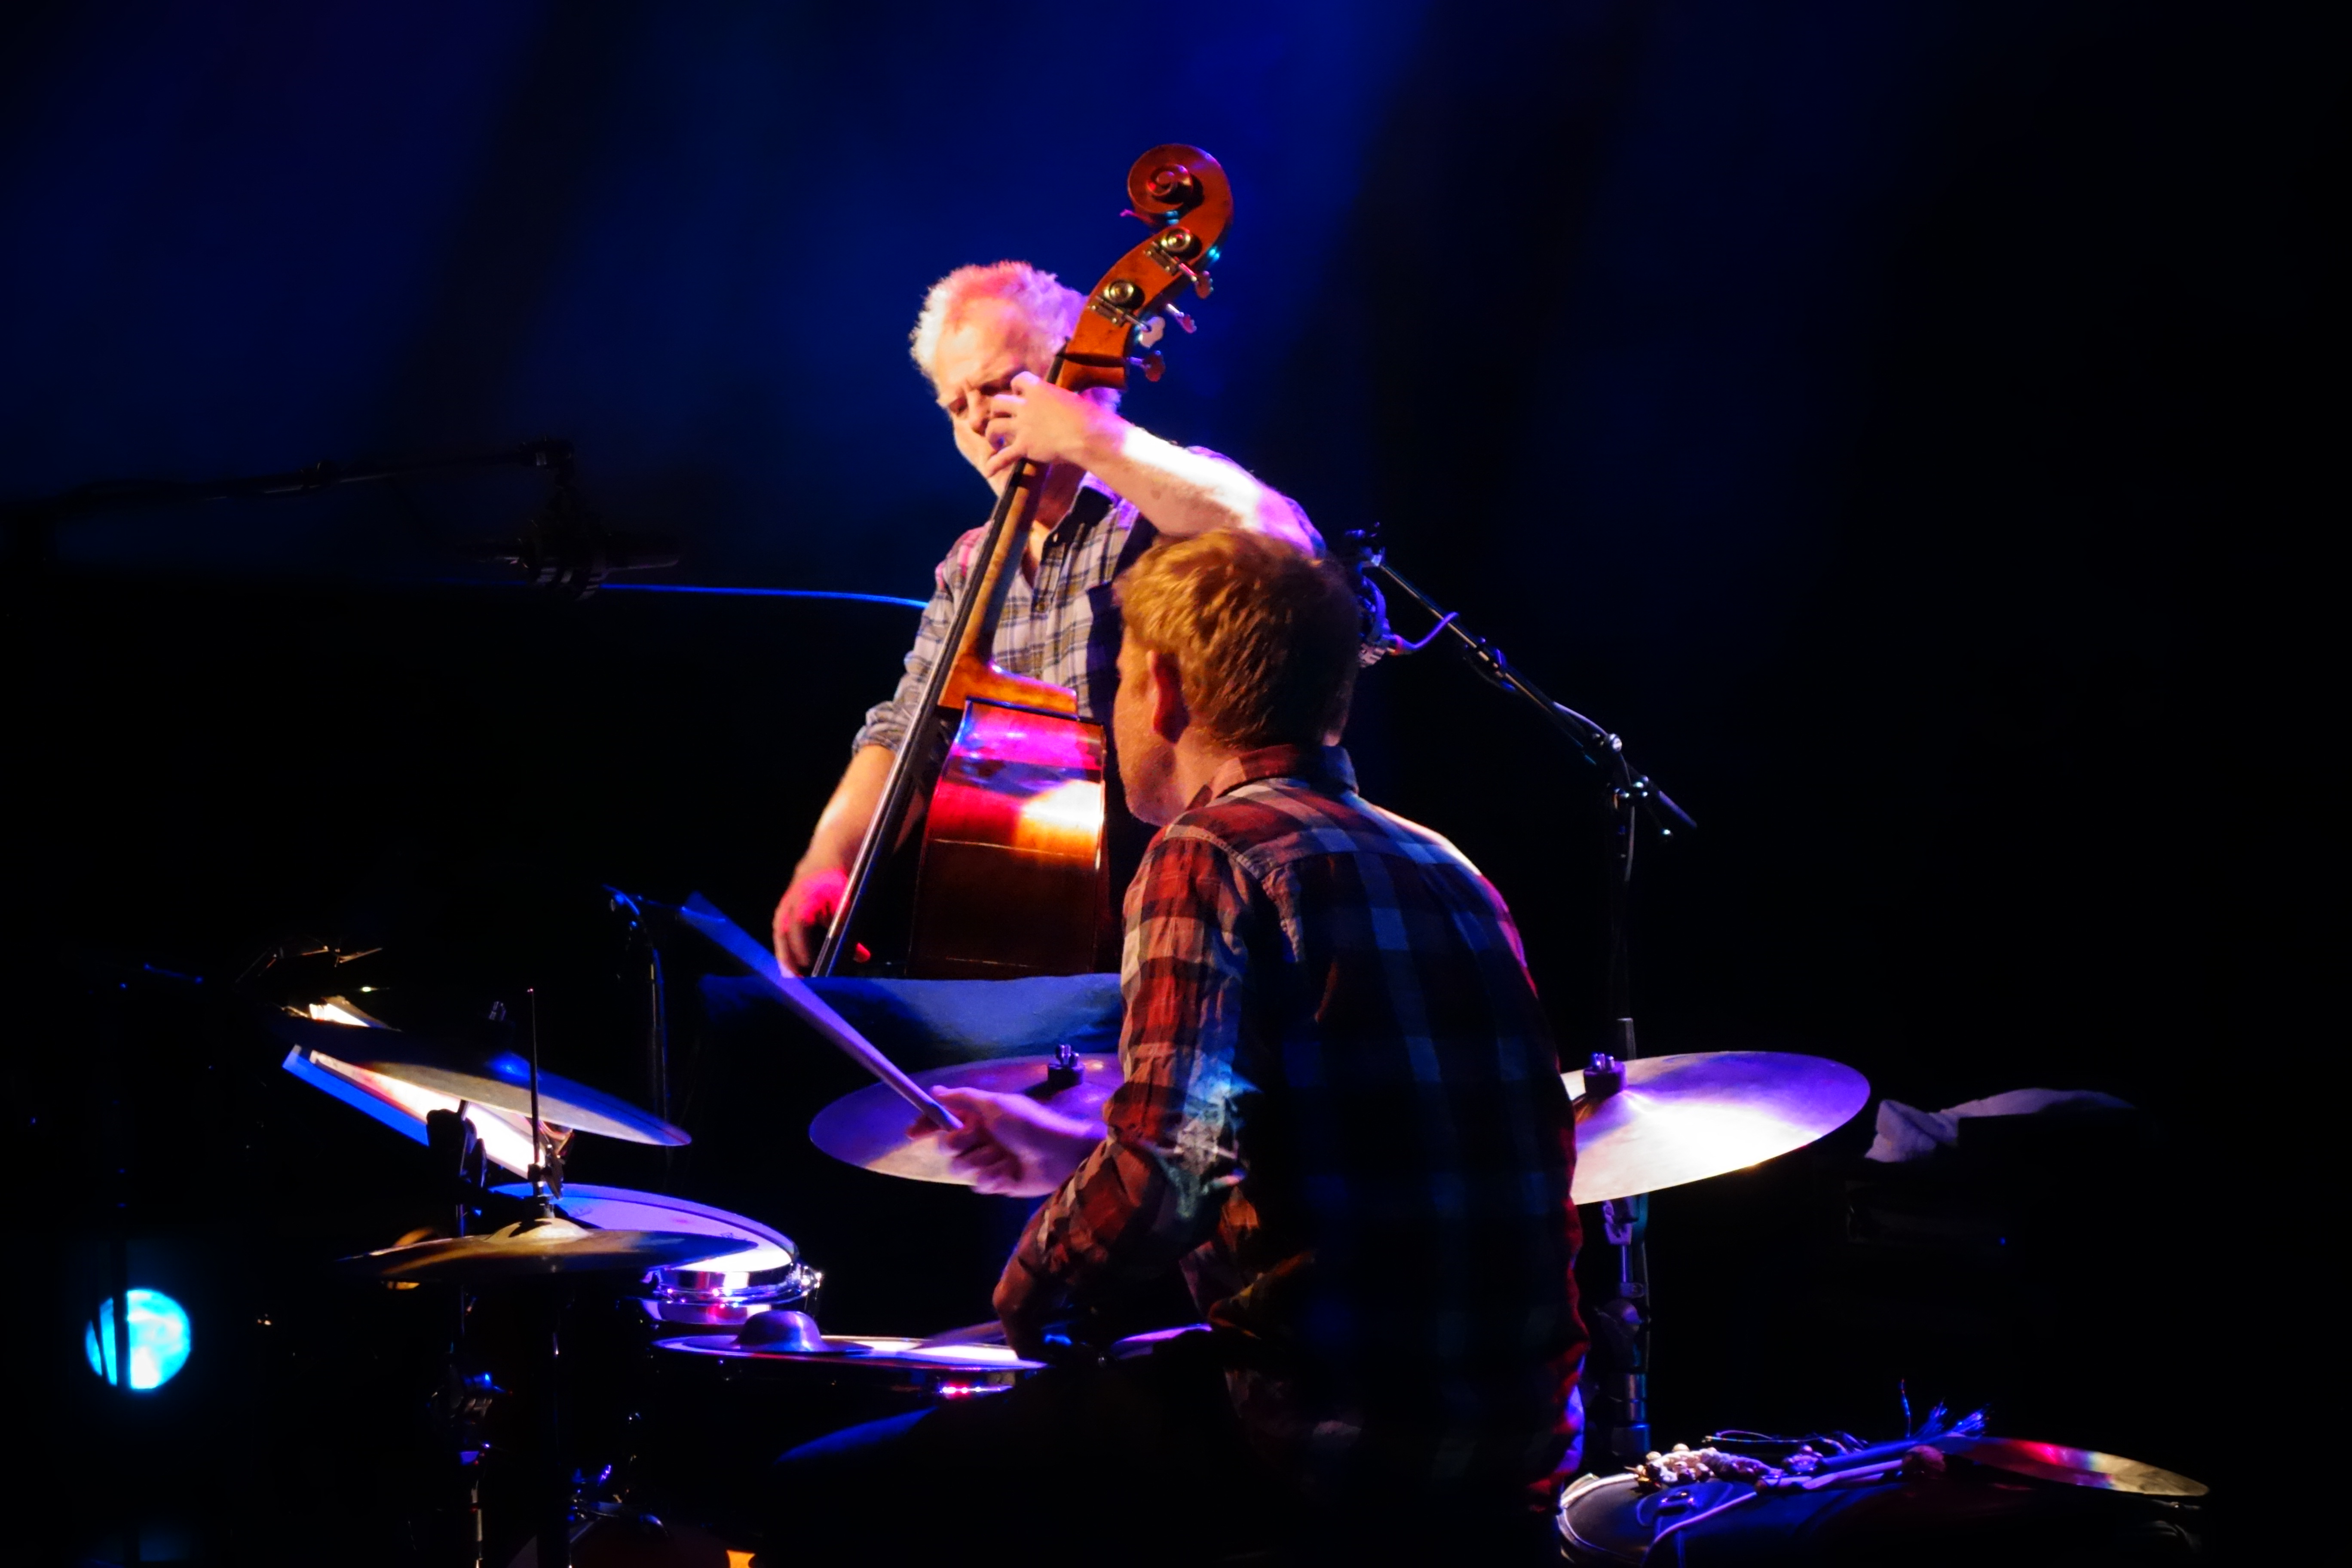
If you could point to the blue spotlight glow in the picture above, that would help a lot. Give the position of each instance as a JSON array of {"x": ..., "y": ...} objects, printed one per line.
[{"x": 158, "y": 1340}]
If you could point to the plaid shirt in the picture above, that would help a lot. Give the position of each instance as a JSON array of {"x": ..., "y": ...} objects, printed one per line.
[
  {"x": 1342, "y": 1115},
  {"x": 1064, "y": 627}
]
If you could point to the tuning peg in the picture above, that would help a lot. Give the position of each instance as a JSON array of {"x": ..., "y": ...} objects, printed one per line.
[
  {"x": 1200, "y": 284},
  {"x": 1180, "y": 318},
  {"x": 1146, "y": 219},
  {"x": 1150, "y": 364}
]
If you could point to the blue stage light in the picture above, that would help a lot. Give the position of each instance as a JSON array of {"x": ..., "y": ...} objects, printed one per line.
[{"x": 158, "y": 1340}]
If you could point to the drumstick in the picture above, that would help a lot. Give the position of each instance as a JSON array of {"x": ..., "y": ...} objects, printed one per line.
[{"x": 795, "y": 994}]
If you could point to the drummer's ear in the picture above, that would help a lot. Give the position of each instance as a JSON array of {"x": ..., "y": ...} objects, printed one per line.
[{"x": 1171, "y": 717}]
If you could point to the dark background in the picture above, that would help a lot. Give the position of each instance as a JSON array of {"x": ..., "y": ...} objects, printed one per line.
[{"x": 1901, "y": 423}]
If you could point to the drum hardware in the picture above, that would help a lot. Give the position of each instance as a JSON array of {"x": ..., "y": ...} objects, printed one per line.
[
  {"x": 1063, "y": 1072},
  {"x": 1623, "y": 1417},
  {"x": 645, "y": 954},
  {"x": 533, "y": 1257},
  {"x": 787, "y": 1331}
]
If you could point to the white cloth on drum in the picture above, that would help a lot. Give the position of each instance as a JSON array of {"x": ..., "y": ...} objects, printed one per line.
[{"x": 1905, "y": 1133}]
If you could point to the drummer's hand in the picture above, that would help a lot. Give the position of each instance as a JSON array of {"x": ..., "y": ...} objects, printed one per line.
[
  {"x": 1023, "y": 1305},
  {"x": 1009, "y": 1145},
  {"x": 803, "y": 914},
  {"x": 1041, "y": 423}
]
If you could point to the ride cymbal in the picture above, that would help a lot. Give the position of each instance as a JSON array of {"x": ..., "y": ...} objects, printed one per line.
[
  {"x": 868, "y": 1128},
  {"x": 1684, "y": 1118}
]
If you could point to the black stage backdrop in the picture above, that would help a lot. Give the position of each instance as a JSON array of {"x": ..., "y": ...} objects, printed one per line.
[{"x": 1897, "y": 421}]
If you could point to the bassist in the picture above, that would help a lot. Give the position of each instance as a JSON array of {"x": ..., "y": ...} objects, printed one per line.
[{"x": 985, "y": 340}]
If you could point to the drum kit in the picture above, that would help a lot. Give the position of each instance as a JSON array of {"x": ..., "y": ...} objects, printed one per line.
[{"x": 733, "y": 1297}]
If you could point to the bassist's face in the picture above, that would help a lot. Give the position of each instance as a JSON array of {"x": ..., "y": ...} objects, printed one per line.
[{"x": 981, "y": 350}]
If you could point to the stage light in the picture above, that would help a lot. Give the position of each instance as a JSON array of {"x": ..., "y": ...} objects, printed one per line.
[{"x": 158, "y": 1340}]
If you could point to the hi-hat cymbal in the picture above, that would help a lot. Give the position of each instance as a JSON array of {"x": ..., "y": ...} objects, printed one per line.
[
  {"x": 502, "y": 1079},
  {"x": 1684, "y": 1118},
  {"x": 868, "y": 1128},
  {"x": 534, "y": 1248}
]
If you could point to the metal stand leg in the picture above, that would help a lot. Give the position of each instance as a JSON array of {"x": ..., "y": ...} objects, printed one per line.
[
  {"x": 553, "y": 1503},
  {"x": 1620, "y": 1392},
  {"x": 1616, "y": 1384}
]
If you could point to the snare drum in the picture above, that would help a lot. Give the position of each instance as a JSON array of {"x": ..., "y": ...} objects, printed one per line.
[{"x": 720, "y": 1292}]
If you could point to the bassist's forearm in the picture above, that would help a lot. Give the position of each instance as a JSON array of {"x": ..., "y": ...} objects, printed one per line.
[{"x": 841, "y": 827}]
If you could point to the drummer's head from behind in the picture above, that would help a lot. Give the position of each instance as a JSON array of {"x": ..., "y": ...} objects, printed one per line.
[{"x": 1234, "y": 641}]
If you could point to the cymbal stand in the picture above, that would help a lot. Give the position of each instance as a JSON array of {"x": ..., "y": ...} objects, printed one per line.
[
  {"x": 553, "y": 1494},
  {"x": 1618, "y": 1398},
  {"x": 465, "y": 1396},
  {"x": 644, "y": 948}
]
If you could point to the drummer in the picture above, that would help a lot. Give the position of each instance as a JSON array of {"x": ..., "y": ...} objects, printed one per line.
[{"x": 1341, "y": 1118}]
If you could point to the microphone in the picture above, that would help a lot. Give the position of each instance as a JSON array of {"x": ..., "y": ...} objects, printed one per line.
[{"x": 1360, "y": 555}]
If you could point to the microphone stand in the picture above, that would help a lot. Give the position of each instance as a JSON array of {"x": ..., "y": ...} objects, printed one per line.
[
  {"x": 562, "y": 547},
  {"x": 1620, "y": 1426},
  {"x": 105, "y": 496}
]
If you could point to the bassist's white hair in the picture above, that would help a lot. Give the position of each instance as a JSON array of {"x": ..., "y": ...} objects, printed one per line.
[{"x": 1051, "y": 310}]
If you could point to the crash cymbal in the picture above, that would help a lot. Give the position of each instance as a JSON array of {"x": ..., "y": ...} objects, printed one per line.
[
  {"x": 498, "y": 1080},
  {"x": 534, "y": 1248},
  {"x": 1684, "y": 1118},
  {"x": 2073, "y": 1466},
  {"x": 868, "y": 1128}
]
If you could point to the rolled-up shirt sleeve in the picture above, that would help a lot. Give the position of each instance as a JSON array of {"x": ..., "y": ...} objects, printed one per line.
[
  {"x": 1151, "y": 1191},
  {"x": 888, "y": 722}
]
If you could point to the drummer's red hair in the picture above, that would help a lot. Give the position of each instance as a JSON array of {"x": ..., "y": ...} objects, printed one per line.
[{"x": 1263, "y": 634}]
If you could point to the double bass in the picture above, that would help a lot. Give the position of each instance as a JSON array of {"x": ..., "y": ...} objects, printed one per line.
[{"x": 1012, "y": 879}]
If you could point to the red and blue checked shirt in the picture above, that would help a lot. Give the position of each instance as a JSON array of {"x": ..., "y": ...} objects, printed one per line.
[
  {"x": 1064, "y": 627},
  {"x": 1342, "y": 1116}
]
